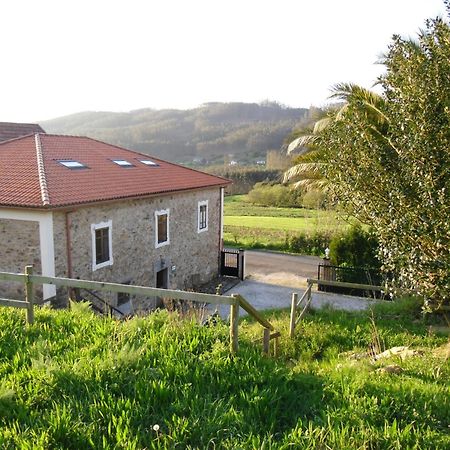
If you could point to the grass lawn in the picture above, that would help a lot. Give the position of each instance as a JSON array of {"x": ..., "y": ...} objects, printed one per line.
[
  {"x": 237, "y": 205},
  {"x": 252, "y": 226},
  {"x": 302, "y": 224},
  {"x": 77, "y": 381}
]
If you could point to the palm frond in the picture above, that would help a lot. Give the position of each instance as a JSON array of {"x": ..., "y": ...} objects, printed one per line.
[
  {"x": 309, "y": 185},
  {"x": 300, "y": 143},
  {"x": 304, "y": 171},
  {"x": 321, "y": 124}
]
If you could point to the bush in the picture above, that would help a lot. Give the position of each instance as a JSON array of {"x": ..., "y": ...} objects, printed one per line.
[
  {"x": 309, "y": 244},
  {"x": 354, "y": 248},
  {"x": 274, "y": 195},
  {"x": 314, "y": 199}
]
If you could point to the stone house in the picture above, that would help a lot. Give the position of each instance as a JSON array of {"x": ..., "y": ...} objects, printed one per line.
[{"x": 77, "y": 207}]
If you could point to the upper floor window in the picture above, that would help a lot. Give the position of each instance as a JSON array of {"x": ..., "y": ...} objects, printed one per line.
[
  {"x": 72, "y": 164},
  {"x": 202, "y": 216},
  {"x": 162, "y": 228},
  {"x": 148, "y": 162},
  {"x": 101, "y": 245},
  {"x": 122, "y": 162}
]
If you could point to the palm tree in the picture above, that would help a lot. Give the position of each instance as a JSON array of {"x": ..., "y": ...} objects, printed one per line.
[{"x": 309, "y": 169}]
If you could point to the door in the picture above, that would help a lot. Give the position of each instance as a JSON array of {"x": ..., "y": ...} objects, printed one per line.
[{"x": 162, "y": 279}]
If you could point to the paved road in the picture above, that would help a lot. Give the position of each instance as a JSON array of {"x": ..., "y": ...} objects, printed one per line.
[
  {"x": 271, "y": 278},
  {"x": 279, "y": 268}
]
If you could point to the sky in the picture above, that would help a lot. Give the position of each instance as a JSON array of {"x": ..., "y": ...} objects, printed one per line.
[{"x": 62, "y": 56}]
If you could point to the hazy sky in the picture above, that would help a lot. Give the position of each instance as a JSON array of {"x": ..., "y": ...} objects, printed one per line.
[{"x": 62, "y": 56}]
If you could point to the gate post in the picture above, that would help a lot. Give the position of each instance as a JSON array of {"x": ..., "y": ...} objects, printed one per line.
[
  {"x": 293, "y": 314},
  {"x": 241, "y": 264}
]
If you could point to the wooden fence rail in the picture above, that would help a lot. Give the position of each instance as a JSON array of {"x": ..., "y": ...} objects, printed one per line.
[
  {"x": 235, "y": 301},
  {"x": 306, "y": 298}
]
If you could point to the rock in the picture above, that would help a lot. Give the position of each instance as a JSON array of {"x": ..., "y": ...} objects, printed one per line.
[
  {"x": 392, "y": 368},
  {"x": 402, "y": 352}
]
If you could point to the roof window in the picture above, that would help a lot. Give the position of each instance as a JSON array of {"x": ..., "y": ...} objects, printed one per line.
[
  {"x": 72, "y": 164},
  {"x": 148, "y": 162},
  {"x": 122, "y": 163}
]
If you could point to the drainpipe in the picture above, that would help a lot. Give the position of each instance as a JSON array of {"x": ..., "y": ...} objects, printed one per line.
[
  {"x": 221, "y": 219},
  {"x": 68, "y": 245},
  {"x": 220, "y": 230}
]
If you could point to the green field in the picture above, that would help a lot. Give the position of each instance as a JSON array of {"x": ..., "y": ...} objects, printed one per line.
[
  {"x": 302, "y": 224},
  {"x": 77, "y": 381},
  {"x": 252, "y": 226}
]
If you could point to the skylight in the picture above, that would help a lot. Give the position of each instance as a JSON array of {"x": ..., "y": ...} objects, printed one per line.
[
  {"x": 148, "y": 162},
  {"x": 72, "y": 164},
  {"x": 122, "y": 162}
]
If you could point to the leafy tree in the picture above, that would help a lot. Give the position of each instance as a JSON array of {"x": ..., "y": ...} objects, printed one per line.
[{"x": 388, "y": 158}]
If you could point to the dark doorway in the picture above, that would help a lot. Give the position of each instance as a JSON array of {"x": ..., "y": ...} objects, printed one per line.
[
  {"x": 162, "y": 279},
  {"x": 232, "y": 263}
]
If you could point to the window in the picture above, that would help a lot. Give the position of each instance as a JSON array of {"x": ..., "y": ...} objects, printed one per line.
[
  {"x": 72, "y": 164},
  {"x": 162, "y": 228},
  {"x": 202, "y": 216},
  {"x": 101, "y": 245},
  {"x": 148, "y": 162},
  {"x": 122, "y": 163}
]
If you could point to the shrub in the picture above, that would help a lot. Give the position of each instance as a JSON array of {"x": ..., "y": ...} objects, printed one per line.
[
  {"x": 355, "y": 248},
  {"x": 274, "y": 195},
  {"x": 309, "y": 244},
  {"x": 314, "y": 199}
]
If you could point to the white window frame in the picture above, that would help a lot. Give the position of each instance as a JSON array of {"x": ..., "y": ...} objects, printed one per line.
[
  {"x": 94, "y": 227},
  {"x": 200, "y": 204},
  {"x": 162, "y": 212}
]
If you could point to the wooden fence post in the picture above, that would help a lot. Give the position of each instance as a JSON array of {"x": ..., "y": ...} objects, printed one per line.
[
  {"x": 293, "y": 314},
  {"x": 266, "y": 340},
  {"x": 29, "y": 292},
  {"x": 276, "y": 343},
  {"x": 234, "y": 324}
]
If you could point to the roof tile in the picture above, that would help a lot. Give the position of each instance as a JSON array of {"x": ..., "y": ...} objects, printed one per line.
[{"x": 102, "y": 180}]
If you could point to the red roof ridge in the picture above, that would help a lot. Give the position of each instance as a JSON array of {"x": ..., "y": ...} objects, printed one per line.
[{"x": 41, "y": 170}]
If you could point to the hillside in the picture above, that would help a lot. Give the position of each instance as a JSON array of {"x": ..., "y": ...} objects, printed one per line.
[
  {"x": 213, "y": 132},
  {"x": 78, "y": 381}
]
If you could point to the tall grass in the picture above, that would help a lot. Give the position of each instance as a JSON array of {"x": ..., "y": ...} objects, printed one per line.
[{"x": 74, "y": 380}]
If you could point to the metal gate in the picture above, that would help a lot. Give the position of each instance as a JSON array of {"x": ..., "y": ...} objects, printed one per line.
[
  {"x": 356, "y": 275},
  {"x": 232, "y": 263}
]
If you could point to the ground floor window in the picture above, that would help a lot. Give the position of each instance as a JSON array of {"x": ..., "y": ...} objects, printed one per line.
[{"x": 101, "y": 245}]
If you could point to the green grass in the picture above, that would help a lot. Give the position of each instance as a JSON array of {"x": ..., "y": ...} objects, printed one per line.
[
  {"x": 237, "y": 205},
  {"x": 303, "y": 224},
  {"x": 74, "y": 380},
  {"x": 251, "y": 226}
]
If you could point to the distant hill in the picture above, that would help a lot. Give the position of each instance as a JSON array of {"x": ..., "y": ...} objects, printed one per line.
[{"x": 213, "y": 132}]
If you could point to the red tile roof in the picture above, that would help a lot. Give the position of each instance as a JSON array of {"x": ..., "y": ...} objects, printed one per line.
[
  {"x": 9, "y": 130},
  {"x": 31, "y": 176}
]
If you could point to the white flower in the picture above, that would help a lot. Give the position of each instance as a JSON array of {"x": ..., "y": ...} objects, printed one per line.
[{"x": 156, "y": 427}]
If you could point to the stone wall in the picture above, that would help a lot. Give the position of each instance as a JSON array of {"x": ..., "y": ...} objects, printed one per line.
[
  {"x": 19, "y": 246},
  {"x": 191, "y": 257}
]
